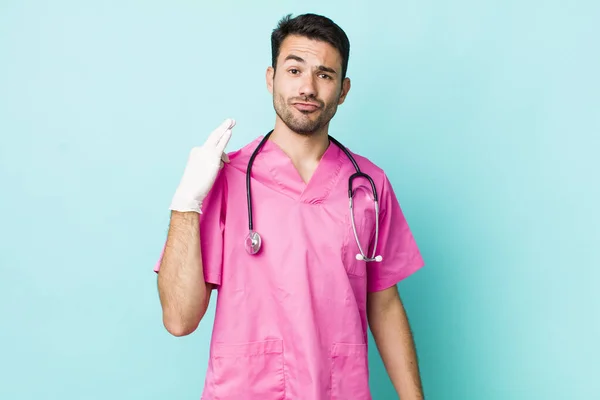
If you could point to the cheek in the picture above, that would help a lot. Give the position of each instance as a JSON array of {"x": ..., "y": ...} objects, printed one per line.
[
  {"x": 331, "y": 92},
  {"x": 333, "y": 98},
  {"x": 280, "y": 87}
]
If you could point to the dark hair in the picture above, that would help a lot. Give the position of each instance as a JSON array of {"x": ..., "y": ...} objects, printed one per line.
[{"x": 312, "y": 26}]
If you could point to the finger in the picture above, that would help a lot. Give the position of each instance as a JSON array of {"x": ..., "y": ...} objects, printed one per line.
[
  {"x": 216, "y": 135},
  {"x": 225, "y": 157},
  {"x": 223, "y": 140}
]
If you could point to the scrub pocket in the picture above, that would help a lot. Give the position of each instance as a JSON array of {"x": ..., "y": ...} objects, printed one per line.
[
  {"x": 249, "y": 371},
  {"x": 349, "y": 372}
]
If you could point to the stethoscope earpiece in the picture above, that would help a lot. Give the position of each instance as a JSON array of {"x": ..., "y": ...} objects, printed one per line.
[{"x": 360, "y": 257}]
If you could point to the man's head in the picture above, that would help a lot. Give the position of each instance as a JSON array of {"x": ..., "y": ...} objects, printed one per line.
[{"x": 308, "y": 73}]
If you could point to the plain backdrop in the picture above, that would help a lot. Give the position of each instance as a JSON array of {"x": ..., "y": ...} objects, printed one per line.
[{"x": 485, "y": 115}]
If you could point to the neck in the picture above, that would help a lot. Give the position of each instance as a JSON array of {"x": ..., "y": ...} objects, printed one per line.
[{"x": 300, "y": 148}]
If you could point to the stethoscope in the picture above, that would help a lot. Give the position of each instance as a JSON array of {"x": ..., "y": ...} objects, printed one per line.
[{"x": 253, "y": 241}]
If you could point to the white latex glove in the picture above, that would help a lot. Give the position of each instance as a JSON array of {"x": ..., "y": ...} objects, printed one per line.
[{"x": 201, "y": 170}]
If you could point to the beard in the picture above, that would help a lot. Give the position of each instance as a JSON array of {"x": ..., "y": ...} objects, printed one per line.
[{"x": 303, "y": 122}]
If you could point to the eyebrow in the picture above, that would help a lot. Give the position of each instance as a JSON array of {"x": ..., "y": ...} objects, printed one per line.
[{"x": 319, "y": 68}]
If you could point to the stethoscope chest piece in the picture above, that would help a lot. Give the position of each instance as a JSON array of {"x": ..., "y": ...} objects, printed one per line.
[{"x": 253, "y": 242}]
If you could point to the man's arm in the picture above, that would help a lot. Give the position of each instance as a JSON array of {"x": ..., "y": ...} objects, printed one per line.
[
  {"x": 393, "y": 337},
  {"x": 184, "y": 294},
  {"x": 183, "y": 291}
]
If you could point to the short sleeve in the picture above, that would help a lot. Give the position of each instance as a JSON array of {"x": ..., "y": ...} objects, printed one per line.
[
  {"x": 396, "y": 245},
  {"x": 212, "y": 223}
]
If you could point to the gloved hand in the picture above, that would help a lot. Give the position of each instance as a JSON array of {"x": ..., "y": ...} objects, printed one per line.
[{"x": 201, "y": 170}]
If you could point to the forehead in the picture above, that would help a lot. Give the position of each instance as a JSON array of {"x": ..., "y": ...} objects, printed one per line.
[{"x": 311, "y": 50}]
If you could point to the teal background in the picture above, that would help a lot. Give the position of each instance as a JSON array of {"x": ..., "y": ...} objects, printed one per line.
[{"x": 484, "y": 114}]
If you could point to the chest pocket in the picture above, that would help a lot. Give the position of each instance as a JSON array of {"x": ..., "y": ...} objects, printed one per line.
[{"x": 364, "y": 219}]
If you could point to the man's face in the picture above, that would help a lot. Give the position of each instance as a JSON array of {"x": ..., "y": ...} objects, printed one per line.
[{"x": 308, "y": 86}]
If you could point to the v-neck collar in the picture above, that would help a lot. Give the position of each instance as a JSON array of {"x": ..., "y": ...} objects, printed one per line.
[{"x": 288, "y": 178}]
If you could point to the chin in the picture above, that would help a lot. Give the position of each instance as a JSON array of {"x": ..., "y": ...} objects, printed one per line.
[{"x": 304, "y": 124}]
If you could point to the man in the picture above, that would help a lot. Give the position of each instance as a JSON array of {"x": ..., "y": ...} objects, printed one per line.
[{"x": 292, "y": 315}]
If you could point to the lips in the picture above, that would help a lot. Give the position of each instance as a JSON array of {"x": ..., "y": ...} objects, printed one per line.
[{"x": 306, "y": 106}]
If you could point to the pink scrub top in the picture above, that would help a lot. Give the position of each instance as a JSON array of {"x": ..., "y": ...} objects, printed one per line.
[{"x": 291, "y": 321}]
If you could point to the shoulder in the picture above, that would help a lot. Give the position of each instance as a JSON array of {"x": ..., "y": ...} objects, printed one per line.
[
  {"x": 239, "y": 158},
  {"x": 231, "y": 173},
  {"x": 369, "y": 167},
  {"x": 385, "y": 190}
]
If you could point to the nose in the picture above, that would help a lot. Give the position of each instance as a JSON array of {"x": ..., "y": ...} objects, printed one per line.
[{"x": 308, "y": 87}]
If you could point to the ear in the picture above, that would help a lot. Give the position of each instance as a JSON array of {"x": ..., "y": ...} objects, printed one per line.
[
  {"x": 345, "y": 90},
  {"x": 270, "y": 76}
]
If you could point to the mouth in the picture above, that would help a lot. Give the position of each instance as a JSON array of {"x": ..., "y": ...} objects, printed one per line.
[{"x": 306, "y": 107}]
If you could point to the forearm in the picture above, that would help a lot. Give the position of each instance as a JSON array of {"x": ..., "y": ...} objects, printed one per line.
[
  {"x": 392, "y": 334},
  {"x": 181, "y": 286}
]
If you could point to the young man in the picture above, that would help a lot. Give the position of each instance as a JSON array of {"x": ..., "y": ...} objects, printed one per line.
[{"x": 294, "y": 304}]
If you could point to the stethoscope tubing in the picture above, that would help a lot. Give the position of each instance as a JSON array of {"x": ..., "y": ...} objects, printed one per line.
[{"x": 357, "y": 174}]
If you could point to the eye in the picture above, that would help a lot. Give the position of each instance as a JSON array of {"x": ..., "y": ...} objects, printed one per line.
[
  {"x": 325, "y": 76},
  {"x": 293, "y": 71}
]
